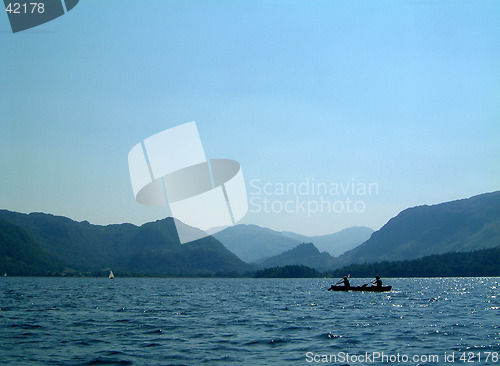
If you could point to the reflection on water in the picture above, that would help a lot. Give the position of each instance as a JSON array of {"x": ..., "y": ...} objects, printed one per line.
[{"x": 73, "y": 321}]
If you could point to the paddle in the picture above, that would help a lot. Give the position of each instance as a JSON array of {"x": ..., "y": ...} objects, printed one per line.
[
  {"x": 366, "y": 284},
  {"x": 370, "y": 283},
  {"x": 338, "y": 283},
  {"x": 331, "y": 287}
]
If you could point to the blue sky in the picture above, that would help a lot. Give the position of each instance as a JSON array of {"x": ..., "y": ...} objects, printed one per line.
[{"x": 404, "y": 94}]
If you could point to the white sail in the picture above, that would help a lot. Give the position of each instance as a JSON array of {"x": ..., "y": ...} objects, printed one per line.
[{"x": 111, "y": 275}]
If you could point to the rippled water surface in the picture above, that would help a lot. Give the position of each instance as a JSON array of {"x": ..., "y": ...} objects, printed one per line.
[{"x": 128, "y": 321}]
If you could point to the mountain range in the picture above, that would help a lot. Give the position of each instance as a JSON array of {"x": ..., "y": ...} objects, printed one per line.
[
  {"x": 257, "y": 244},
  {"x": 458, "y": 226},
  {"x": 252, "y": 243},
  {"x": 153, "y": 248},
  {"x": 41, "y": 244}
]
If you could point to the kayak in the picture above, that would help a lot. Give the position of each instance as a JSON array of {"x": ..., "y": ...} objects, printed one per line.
[{"x": 361, "y": 288}]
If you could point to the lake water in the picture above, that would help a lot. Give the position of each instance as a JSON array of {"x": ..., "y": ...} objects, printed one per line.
[{"x": 129, "y": 321}]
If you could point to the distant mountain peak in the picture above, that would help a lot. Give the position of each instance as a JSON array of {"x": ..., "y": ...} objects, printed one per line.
[
  {"x": 337, "y": 243},
  {"x": 303, "y": 254},
  {"x": 253, "y": 243},
  {"x": 305, "y": 248}
]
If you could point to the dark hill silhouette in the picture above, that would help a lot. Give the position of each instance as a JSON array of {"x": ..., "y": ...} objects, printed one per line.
[
  {"x": 457, "y": 226},
  {"x": 337, "y": 243},
  {"x": 152, "y": 248},
  {"x": 304, "y": 254}
]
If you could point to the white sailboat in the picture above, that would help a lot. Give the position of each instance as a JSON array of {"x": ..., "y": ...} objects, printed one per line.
[{"x": 111, "y": 275}]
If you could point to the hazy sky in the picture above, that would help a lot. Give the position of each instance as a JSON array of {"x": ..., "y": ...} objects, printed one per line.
[{"x": 403, "y": 95}]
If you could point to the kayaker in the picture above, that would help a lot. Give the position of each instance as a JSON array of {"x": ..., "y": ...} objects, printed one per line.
[
  {"x": 345, "y": 281},
  {"x": 377, "y": 282}
]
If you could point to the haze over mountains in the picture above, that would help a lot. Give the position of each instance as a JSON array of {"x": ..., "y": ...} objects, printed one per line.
[
  {"x": 41, "y": 244},
  {"x": 253, "y": 243},
  {"x": 337, "y": 243}
]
